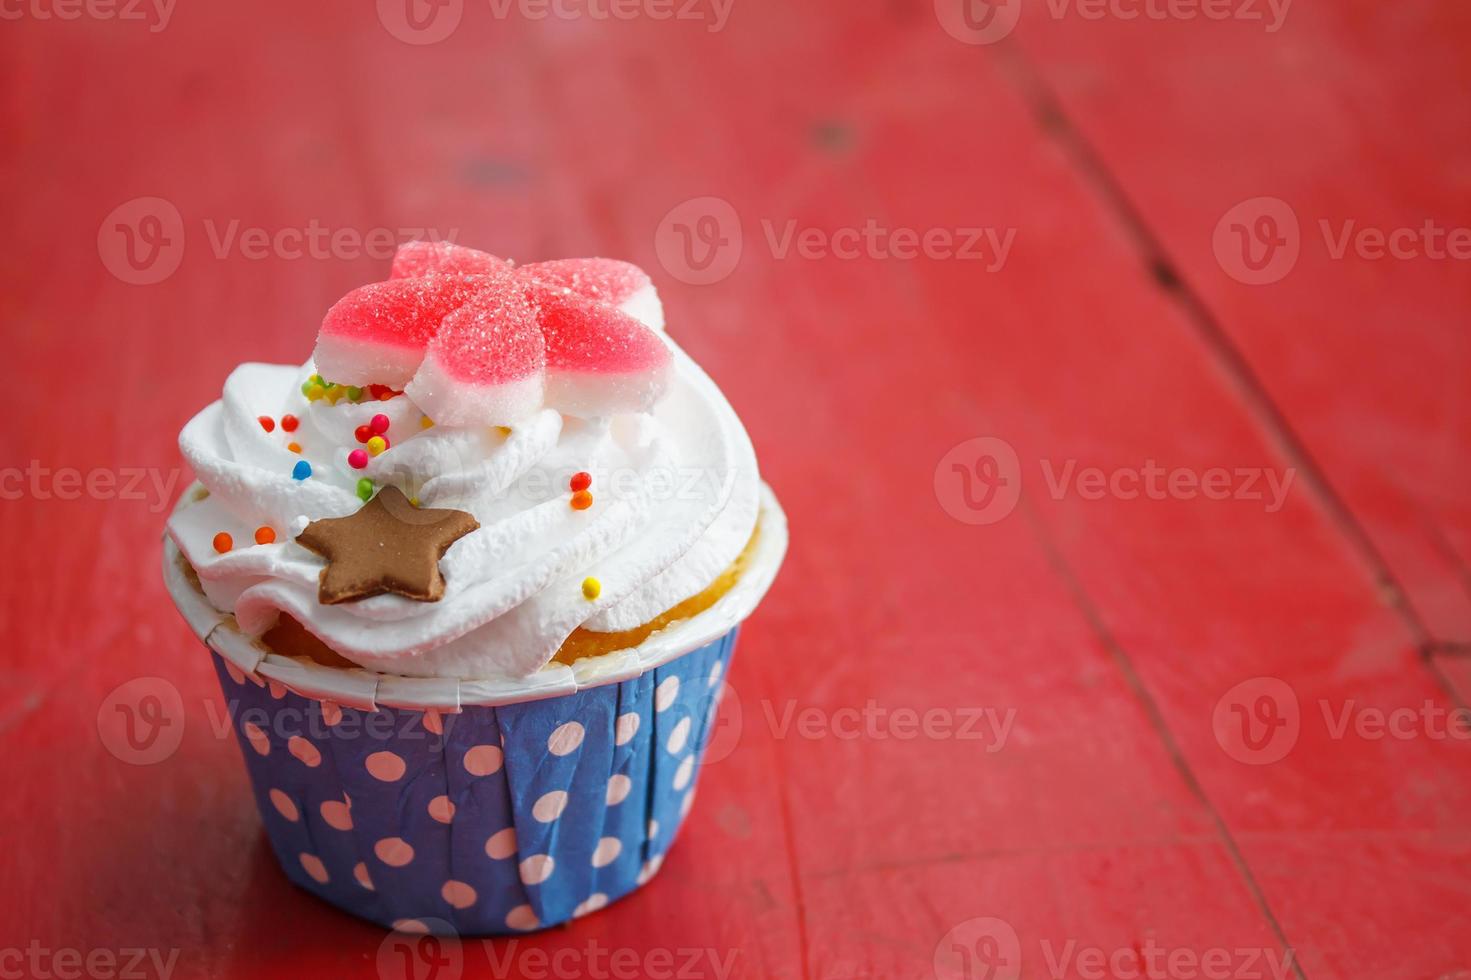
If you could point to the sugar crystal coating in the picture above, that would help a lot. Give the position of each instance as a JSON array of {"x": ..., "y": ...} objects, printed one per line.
[
  {"x": 605, "y": 280},
  {"x": 377, "y": 333},
  {"x": 419, "y": 258}
]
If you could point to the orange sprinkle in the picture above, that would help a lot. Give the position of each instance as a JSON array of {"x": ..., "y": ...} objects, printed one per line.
[
  {"x": 223, "y": 542},
  {"x": 581, "y": 500},
  {"x": 264, "y": 535},
  {"x": 295, "y": 447}
]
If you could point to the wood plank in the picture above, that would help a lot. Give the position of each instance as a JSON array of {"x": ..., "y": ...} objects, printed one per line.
[{"x": 1351, "y": 115}]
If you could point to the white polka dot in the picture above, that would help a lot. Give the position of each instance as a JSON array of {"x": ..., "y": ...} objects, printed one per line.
[
  {"x": 336, "y": 815},
  {"x": 686, "y": 803},
  {"x": 619, "y": 787},
  {"x": 257, "y": 738},
  {"x": 236, "y": 674},
  {"x": 679, "y": 736},
  {"x": 433, "y": 723},
  {"x": 607, "y": 851},
  {"x": 714, "y": 673},
  {"x": 394, "y": 851},
  {"x": 483, "y": 760},
  {"x": 304, "y": 751},
  {"x": 665, "y": 694},
  {"x": 278, "y": 690},
  {"x": 626, "y": 728},
  {"x": 314, "y": 867},
  {"x": 458, "y": 894},
  {"x": 411, "y": 926},
  {"x": 650, "y": 868},
  {"x": 283, "y": 805},
  {"x": 360, "y": 872},
  {"x": 549, "y": 806},
  {"x": 685, "y": 771},
  {"x": 565, "y": 739},
  {"x": 537, "y": 868},
  {"x": 502, "y": 844},
  {"x": 522, "y": 917},
  {"x": 441, "y": 808},
  {"x": 331, "y": 713},
  {"x": 595, "y": 901},
  {"x": 386, "y": 766},
  {"x": 653, "y": 829}
]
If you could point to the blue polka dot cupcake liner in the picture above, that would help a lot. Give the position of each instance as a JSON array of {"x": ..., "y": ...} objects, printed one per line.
[
  {"x": 478, "y": 807},
  {"x": 492, "y": 819}
]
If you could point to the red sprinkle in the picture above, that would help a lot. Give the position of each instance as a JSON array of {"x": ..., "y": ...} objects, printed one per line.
[
  {"x": 289, "y": 423},
  {"x": 357, "y": 459},
  {"x": 362, "y": 433},
  {"x": 581, "y": 500},
  {"x": 223, "y": 542},
  {"x": 264, "y": 535},
  {"x": 379, "y": 424},
  {"x": 581, "y": 481},
  {"x": 267, "y": 423}
]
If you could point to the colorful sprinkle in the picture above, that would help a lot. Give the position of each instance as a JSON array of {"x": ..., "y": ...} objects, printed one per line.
[
  {"x": 426, "y": 422},
  {"x": 414, "y": 501},
  {"x": 365, "y": 489},
  {"x": 581, "y": 500},
  {"x": 264, "y": 535},
  {"x": 379, "y": 424},
  {"x": 505, "y": 430},
  {"x": 267, "y": 423},
  {"x": 354, "y": 393},
  {"x": 362, "y": 433},
  {"x": 357, "y": 459},
  {"x": 591, "y": 588},
  {"x": 377, "y": 445},
  {"x": 223, "y": 542},
  {"x": 581, "y": 481},
  {"x": 295, "y": 447},
  {"x": 313, "y": 390},
  {"x": 289, "y": 423},
  {"x": 301, "y": 470}
]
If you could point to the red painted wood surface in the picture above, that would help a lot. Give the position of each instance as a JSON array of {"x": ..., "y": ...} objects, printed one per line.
[{"x": 1115, "y": 818}]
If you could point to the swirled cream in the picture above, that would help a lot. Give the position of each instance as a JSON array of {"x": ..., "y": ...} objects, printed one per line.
[{"x": 675, "y": 499}]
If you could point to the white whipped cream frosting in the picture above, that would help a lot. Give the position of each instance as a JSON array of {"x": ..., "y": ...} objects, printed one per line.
[{"x": 675, "y": 499}]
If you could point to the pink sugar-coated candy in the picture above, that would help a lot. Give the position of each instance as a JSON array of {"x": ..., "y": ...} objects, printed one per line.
[
  {"x": 600, "y": 361},
  {"x": 377, "y": 333},
  {"x": 486, "y": 365},
  {"x": 418, "y": 258},
  {"x": 620, "y": 284}
]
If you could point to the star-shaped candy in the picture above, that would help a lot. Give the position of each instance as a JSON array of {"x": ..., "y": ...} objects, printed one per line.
[{"x": 388, "y": 546}]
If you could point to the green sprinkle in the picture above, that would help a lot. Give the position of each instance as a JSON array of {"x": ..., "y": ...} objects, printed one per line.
[
  {"x": 365, "y": 489},
  {"x": 354, "y": 393}
]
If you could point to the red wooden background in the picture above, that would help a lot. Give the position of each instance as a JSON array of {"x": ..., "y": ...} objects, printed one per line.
[{"x": 1126, "y": 816}]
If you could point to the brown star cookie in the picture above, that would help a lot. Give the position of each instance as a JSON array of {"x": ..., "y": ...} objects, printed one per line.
[{"x": 388, "y": 546}]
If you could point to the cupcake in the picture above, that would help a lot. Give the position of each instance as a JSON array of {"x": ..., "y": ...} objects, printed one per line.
[{"x": 471, "y": 579}]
